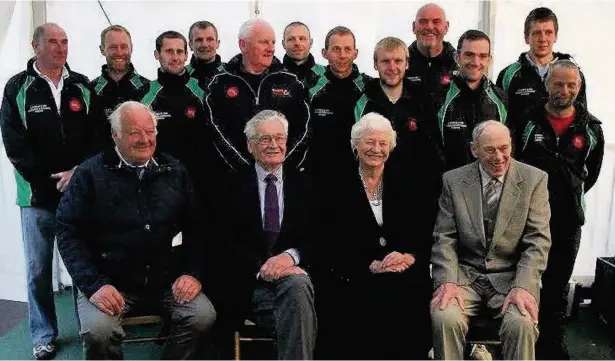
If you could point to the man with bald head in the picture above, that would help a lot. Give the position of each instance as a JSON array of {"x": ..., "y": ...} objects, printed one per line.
[
  {"x": 48, "y": 127},
  {"x": 297, "y": 43},
  {"x": 432, "y": 60},
  {"x": 252, "y": 81},
  {"x": 491, "y": 243}
]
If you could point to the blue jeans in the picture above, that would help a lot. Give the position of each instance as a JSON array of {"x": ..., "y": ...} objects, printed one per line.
[{"x": 38, "y": 229}]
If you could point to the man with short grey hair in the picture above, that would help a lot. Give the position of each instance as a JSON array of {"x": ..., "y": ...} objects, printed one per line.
[
  {"x": 269, "y": 226},
  {"x": 252, "y": 81}
]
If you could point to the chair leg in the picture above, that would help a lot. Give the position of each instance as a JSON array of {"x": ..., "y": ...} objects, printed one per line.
[{"x": 237, "y": 341}]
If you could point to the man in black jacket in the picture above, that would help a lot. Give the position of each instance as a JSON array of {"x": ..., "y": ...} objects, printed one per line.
[
  {"x": 49, "y": 122},
  {"x": 204, "y": 43},
  {"x": 469, "y": 99},
  {"x": 118, "y": 81},
  {"x": 523, "y": 80},
  {"x": 297, "y": 42},
  {"x": 252, "y": 81},
  {"x": 117, "y": 225},
  {"x": 566, "y": 141}
]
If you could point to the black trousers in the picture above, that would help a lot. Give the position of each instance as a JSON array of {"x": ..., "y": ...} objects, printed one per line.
[{"x": 554, "y": 293}]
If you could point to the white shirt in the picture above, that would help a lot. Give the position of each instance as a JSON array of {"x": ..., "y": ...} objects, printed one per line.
[
  {"x": 55, "y": 91},
  {"x": 377, "y": 210}
]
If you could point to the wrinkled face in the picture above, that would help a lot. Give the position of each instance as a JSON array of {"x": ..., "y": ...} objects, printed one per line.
[
  {"x": 172, "y": 56},
  {"x": 204, "y": 43},
  {"x": 493, "y": 150},
  {"x": 51, "y": 49},
  {"x": 473, "y": 58},
  {"x": 341, "y": 53},
  {"x": 541, "y": 38},
  {"x": 117, "y": 50},
  {"x": 391, "y": 66},
  {"x": 373, "y": 148},
  {"x": 269, "y": 146},
  {"x": 563, "y": 87},
  {"x": 137, "y": 141},
  {"x": 258, "y": 48},
  {"x": 297, "y": 42},
  {"x": 430, "y": 26}
]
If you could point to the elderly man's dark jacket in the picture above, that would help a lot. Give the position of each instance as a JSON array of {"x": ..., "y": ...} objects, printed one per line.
[{"x": 116, "y": 227}]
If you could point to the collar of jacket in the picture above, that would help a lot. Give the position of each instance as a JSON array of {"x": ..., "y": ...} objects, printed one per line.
[
  {"x": 556, "y": 56},
  {"x": 234, "y": 65},
  {"x": 158, "y": 164},
  {"x": 129, "y": 74},
  {"x": 292, "y": 66},
  {"x": 350, "y": 78},
  {"x": 172, "y": 80},
  {"x": 447, "y": 56},
  {"x": 30, "y": 71},
  {"x": 582, "y": 117},
  {"x": 374, "y": 91},
  {"x": 485, "y": 83},
  {"x": 200, "y": 65}
]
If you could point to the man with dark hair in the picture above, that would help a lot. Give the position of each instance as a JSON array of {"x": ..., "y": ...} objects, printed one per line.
[
  {"x": 252, "y": 81},
  {"x": 118, "y": 82},
  {"x": 297, "y": 42},
  {"x": 204, "y": 43},
  {"x": 566, "y": 141},
  {"x": 49, "y": 123},
  {"x": 523, "y": 80},
  {"x": 433, "y": 59},
  {"x": 177, "y": 101},
  {"x": 468, "y": 100},
  {"x": 334, "y": 92}
]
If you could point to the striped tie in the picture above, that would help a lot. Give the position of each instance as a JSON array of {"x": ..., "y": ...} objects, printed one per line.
[{"x": 491, "y": 208}]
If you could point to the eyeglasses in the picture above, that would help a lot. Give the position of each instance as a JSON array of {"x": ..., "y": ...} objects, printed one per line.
[{"x": 266, "y": 139}]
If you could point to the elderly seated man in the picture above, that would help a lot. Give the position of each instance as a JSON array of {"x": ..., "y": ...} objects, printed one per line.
[{"x": 116, "y": 226}]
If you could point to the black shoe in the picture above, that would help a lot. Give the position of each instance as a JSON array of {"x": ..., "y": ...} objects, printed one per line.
[{"x": 45, "y": 351}]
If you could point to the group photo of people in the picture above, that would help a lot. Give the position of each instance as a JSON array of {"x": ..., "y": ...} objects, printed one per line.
[{"x": 349, "y": 216}]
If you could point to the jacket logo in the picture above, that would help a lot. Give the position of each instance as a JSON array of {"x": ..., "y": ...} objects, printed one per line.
[
  {"x": 539, "y": 137},
  {"x": 162, "y": 115},
  {"x": 322, "y": 112},
  {"x": 190, "y": 112},
  {"x": 280, "y": 92},
  {"x": 412, "y": 124},
  {"x": 445, "y": 79},
  {"x": 74, "y": 105},
  {"x": 232, "y": 92},
  {"x": 578, "y": 141},
  {"x": 38, "y": 108},
  {"x": 459, "y": 124},
  {"x": 525, "y": 91}
]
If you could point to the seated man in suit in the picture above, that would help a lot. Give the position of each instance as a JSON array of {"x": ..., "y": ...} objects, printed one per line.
[
  {"x": 266, "y": 234},
  {"x": 116, "y": 226},
  {"x": 492, "y": 239}
]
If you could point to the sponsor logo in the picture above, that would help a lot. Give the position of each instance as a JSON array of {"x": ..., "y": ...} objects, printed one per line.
[
  {"x": 232, "y": 92},
  {"x": 538, "y": 138},
  {"x": 412, "y": 124},
  {"x": 578, "y": 141},
  {"x": 190, "y": 112},
  {"x": 322, "y": 112},
  {"x": 414, "y": 79},
  {"x": 162, "y": 115},
  {"x": 280, "y": 92},
  {"x": 74, "y": 105},
  {"x": 38, "y": 108},
  {"x": 525, "y": 91},
  {"x": 456, "y": 125}
]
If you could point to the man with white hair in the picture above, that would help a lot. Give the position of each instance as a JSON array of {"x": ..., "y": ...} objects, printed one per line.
[
  {"x": 117, "y": 224},
  {"x": 491, "y": 243},
  {"x": 252, "y": 81},
  {"x": 269, "y": 226}
]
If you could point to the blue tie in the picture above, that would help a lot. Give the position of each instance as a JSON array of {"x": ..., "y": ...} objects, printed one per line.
[{"x": 272, "y": 212}]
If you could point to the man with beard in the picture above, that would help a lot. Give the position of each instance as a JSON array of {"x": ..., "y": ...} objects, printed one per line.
[
  {"x": 334, "y": 94},
  {"x": 523, "y": 80},
  {"x": 565, "y": 140},
  {"x": 252, "y": 81},
  {"x": 204, "y": 42},
  {"x": 297, "y": 42},
  {"x": 177, "y": 101},
  {"x": 433, "y": 59},
  {"x": 468, "y": 100},
  {"x": 118, "y": 82}
]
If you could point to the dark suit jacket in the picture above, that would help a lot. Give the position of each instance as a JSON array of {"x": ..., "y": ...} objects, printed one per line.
[{"x": 242, "y": 249}]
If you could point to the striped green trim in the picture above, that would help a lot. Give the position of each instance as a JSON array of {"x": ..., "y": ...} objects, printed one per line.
[
  {"x": 498, "y": 103},
  {"x": 509, "y": 74},
  {"x": 358, "y": 81},
  {"x": 24, "y": 192},
  {"x": 527, "y": 133},
  {"x": 136, "y": 81},
  {"x": 21, "y": 100},
  {"x": 319, "y": 69},
  {"x": 194, "y": 87},
  {"x": 100, "y": 84},
  {"x": 593, "y": 141},
  {"x": 452, "y": 92},
  {"x": 322, "y": 82},
  {"x": 86, "y": 97},
  {"x": 360, "y": 107},
  {"x": 190, "y": 69},
  {"x": 154, "y": 89}
]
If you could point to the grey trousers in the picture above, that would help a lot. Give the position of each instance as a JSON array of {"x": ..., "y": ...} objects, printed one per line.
[
  {"x": 103, "y": 334},
  {"x": 450, "y": 326},
  {"x": 286, "y": 306}
]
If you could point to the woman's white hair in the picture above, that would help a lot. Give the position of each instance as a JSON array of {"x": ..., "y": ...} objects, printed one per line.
[
  {"x": 374, "y": 122},
  {"x": 261, "y": 117},
  {"x": 246, "y": 28},
  {"x": 118, "y": 114}
]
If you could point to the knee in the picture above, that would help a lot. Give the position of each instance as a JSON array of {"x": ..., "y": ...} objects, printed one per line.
[
  {"x": 449, "y": 318},
  {"x": 202, "y": 315},
  {"x": 299, "y": 288},
  {"x": 515, "y": 325},
  {"x": 101, "y": 330}
]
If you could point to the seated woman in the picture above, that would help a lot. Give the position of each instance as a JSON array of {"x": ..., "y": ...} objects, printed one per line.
[{"x": 373, "y": 285}]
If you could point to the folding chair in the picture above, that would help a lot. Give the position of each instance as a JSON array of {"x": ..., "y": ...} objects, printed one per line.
[{"x": 250, "y": 332}]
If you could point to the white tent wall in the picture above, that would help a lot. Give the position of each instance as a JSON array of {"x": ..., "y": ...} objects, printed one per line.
[{"x": 370, "y": 20}]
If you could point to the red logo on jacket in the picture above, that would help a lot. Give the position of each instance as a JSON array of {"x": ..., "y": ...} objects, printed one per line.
[
  {"x": 445, "y": 79},
  {"x": 412, "y": 124},
  {"x": 280, "y": 92},
  {"x": 578, "y": 141},
  {"x": 232, "y": 92},
  {"x": 190, "y": 112},
  {"x": 74, "y": 105}
]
